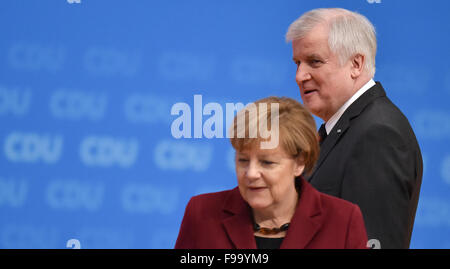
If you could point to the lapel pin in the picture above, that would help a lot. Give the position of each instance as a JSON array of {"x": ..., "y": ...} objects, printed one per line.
[{"x": 339, "y": 131}]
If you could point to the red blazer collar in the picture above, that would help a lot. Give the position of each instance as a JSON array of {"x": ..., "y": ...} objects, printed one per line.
[
  {"x": 307, "y": 219},
  {"x": 238, "y": 221},
  {"x": 306, "y": 222}
]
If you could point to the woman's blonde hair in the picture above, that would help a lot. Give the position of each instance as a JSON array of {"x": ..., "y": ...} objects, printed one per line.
[{"x": 297, "y": 129}]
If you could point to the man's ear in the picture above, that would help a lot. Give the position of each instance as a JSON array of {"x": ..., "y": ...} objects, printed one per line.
[{"x": 357, "y": 65}]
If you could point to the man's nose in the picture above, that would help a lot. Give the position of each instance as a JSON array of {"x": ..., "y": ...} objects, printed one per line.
[{"x": 302, "y": 74}]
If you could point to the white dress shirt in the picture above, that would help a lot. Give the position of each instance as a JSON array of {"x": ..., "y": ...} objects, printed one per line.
[{"x": 334, "y": 119}]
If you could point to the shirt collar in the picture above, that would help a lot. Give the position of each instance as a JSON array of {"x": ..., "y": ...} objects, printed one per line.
[{"x": 334, "y": 119}]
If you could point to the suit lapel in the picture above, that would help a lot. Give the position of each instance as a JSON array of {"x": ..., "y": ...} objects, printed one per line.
[
  {"x": 329, "y": 143},
  {"x": 237, "y": 221},
  {"x": 307, "y": 219},
  {"x": 345, "y": 122}
]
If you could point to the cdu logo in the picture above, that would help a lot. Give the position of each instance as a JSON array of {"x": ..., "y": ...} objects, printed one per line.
[
  {"x": 179, "y": 155},
  {"x": 76, "y": 105},
  {"x": 71, "y": 194},
  {"x": 432, "y": 124},
  {"x": 110, "y": 62},
  {"x": 36, "y": 57},
  {"x": 247, "y": 70},
  {"x": 230, "y": 156},
  {"x": 107, "y": 151},
  {"x": 433, "y": 212},
  {"x": 16, "y": 235},
  {"x": 445, "y": 169},
  {"x": 33, "y": 147},
  {"x": 144, "y": 198},
  {"x": 13, "y": 192},
  {"x": 14, "y": 101},
  {"x": 146, "y": 108},
  {"x": 105, "y": 237},
  {"x": 179, "y": 65}
]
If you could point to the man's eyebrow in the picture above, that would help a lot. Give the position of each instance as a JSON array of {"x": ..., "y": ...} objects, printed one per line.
[
  {"x": 310, "y": 56},
  {"x": 314, "y": 55}
]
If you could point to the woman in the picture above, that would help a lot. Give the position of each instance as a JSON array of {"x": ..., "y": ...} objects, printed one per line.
[{"x": 273, "y": 206}]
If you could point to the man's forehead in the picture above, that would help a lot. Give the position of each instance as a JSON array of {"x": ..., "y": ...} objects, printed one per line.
[
  {"x": 316, "y": 38},
  {"x": 308, "y": 49}
]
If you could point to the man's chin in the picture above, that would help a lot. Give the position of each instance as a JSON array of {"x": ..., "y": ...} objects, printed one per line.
[{"x": 313, "y": 109}]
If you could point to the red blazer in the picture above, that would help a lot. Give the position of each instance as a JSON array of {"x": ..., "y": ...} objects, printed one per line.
[{"x": 224, "y": 220}]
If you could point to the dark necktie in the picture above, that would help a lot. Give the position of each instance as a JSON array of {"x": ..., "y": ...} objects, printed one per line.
[{"x": 322, "y": 133}]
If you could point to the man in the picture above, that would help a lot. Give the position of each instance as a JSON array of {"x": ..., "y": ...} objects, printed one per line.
[{"x": 369, "y": 153}]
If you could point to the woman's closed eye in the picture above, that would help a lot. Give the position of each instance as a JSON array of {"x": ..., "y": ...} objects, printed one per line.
[{"x": 267, "y": 162}]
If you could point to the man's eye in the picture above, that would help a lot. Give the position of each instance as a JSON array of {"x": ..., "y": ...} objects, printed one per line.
[
  {"x": 315, "y": 62},
  {"x": 242, "y": 160},
  {"x": 267, "y": 162}
]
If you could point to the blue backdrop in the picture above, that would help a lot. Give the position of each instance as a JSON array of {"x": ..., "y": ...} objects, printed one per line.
[{"x": 86, "y": 89}]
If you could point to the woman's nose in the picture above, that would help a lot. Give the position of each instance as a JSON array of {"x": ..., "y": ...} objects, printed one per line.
[{"x": 253, "y": 171}]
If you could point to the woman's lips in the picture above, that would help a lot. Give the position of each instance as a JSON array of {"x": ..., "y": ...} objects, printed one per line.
[{"x": 257, "y": 188}]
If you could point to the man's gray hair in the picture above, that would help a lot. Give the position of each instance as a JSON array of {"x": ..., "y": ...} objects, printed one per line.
[{"x": 350, "y": 33}]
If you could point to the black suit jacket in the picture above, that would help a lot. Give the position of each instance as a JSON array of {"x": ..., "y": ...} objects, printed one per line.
[{"x": 371, "y": 158}]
